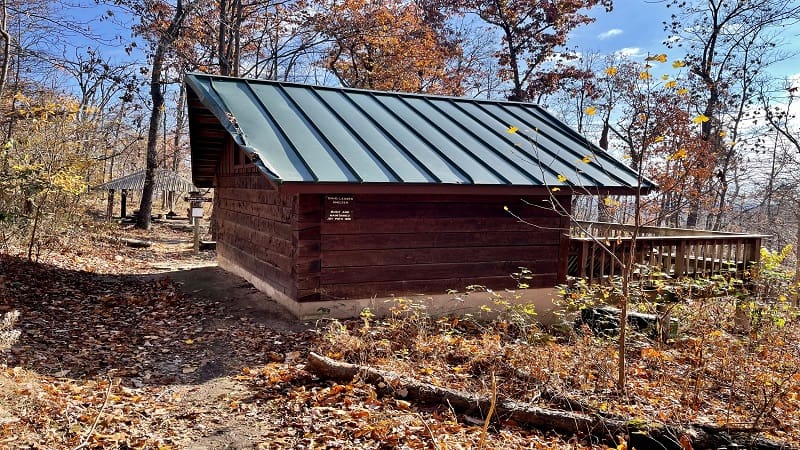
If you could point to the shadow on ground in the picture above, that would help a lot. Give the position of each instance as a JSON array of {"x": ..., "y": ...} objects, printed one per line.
[{"x": 184, "y": 326}]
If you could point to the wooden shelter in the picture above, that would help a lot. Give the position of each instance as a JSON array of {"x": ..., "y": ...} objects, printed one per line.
[
  {"x": 332, "y": 199},
  {"x": 164, "y": 180}
]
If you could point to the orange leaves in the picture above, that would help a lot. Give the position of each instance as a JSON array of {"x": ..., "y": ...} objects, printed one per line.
[
  {"x": 680, "y": 154},
  {"x": 390, "y": 46},
  {"x": 611, "y": 71}
]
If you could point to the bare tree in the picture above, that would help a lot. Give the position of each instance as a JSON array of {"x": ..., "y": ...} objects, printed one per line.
[
  {"x": 164, "y": 41},
  {"x": 727, "y": 44}
]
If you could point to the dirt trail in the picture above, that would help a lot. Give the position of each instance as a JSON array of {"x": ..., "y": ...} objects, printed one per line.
[{"x": 181, "y": 337}]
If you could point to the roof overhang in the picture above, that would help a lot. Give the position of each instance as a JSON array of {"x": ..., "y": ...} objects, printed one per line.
[{"x": 445, "y": 189}]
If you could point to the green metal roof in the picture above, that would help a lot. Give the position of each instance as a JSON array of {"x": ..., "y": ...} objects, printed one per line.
[{"x": 311, "y": 134}]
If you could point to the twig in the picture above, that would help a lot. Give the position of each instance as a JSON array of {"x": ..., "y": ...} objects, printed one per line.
[
  {"x": 482, "y": 442},
  {"x": 85, "y": 441},
  {"x": 433, "y": 437}
]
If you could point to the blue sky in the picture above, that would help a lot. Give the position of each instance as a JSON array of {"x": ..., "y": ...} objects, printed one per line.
[
  {"x": 634, "y": 26},
  {"x": 637, "y": 24}
]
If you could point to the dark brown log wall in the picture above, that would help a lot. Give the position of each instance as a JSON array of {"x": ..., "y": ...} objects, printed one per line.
[
  {"x": 404, "y": 244},
  {"x": 254, "y": 223}
]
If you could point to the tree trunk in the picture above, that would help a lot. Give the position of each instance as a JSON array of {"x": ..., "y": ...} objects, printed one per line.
[
  {"x": 6, "y": 45},
  {"x": 797, "y": 257},
  {"x": 110, "y": 206},
  {"x": 164, "y": 41}
]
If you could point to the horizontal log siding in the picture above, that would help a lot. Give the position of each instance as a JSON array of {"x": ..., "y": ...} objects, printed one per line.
[
  {"x": 398, "y": 245},
  {"x": 254, "y": 225},
  {"x": 306, "y": 239}
]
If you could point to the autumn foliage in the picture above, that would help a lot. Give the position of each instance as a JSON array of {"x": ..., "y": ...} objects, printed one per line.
[{"x": 391, "y": 46}]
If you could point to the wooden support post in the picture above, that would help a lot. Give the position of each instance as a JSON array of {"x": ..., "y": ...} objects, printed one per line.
[
  {"x": 196, "y": 235},
  {"x": 124, "y": 204}
]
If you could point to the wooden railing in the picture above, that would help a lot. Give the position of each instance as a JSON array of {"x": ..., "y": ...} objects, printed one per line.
[{"x": 672, "y": 251}]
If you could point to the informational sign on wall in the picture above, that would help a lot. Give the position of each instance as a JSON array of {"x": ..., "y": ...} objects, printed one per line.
[{"x": 339, "y": 208}]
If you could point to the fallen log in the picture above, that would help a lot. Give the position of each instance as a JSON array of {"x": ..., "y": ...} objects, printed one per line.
[
  {"x": 605, "y": 427},
  {"x": 136, "y": 243}
]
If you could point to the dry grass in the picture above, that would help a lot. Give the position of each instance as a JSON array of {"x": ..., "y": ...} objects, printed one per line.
[{"x": 714, "y": 372}]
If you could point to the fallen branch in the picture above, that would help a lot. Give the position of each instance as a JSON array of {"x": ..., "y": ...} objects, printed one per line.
[{"x": 603, "y": 426}]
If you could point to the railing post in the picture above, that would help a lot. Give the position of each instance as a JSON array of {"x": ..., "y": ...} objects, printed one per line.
[
  {"x": 680, "y": 263},
  {"x": 583, "y": 258}
]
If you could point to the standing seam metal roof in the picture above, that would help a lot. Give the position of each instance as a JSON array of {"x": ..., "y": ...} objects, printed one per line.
[{"x": 301, "y": 133}]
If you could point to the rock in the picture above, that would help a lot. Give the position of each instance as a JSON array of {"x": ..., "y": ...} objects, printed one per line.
[{"x": 604, "y": 320}]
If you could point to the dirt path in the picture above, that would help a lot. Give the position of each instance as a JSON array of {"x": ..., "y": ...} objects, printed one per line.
[
  {"x": 181, "y": 340},
  {"x": 240, "y": 298}
]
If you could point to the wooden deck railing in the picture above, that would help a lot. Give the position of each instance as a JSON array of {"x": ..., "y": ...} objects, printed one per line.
[{"x": 673, "y": 251}]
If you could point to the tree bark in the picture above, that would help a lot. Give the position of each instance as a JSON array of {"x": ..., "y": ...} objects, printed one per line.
[
  {"x": 6, "y": 45},
  {"x": 164, "y": 42},
  {"x": 604, "y": 426}
]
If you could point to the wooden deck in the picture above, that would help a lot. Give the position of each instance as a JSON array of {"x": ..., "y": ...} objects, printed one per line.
[{"x": 671, "y": 251}]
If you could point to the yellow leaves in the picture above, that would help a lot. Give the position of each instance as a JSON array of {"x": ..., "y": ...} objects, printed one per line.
[
  {"x": 680, "y": 154},
  {"x": 671, "y": 84},
  {"x": 645, "y": 75},
  {"x": 555, "y": 189},
  {"x": 701, "y": 118},
  {"x": 20, "y": 97},
  {"x": 611, "y": 71},
  {"x": 723, "y": 133},
  {"x": 591, "y": 110},
  {"x": 562, "y": 178},
  {"x": 69, "y": 182},
  {"x": 610, "y": 202},
  {"x": 662, "y": 58},
  {"x": 677, "y": 64},
  {"x": 665, "y": 77},
  {"x": 586, "y": 159},
  {"x": 682, "y": 91},
  {"x": 512, "y": 129},
  {"x": 659, "y": 139}
]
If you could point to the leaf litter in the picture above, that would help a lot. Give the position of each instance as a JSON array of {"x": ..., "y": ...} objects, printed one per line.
[{"x": 114, "y": 354}]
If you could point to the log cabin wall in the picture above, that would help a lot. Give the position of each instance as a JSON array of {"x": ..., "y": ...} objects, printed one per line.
[
  {"x": 254, "y": 225},
  {"x": 364, "y": 246}
]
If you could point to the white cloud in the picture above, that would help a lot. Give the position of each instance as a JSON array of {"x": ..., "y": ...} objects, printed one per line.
[
  {"x": 629, "y": 52},
  {"x": 610, "y": 33},
  {"x": 794, "y": 80}
]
